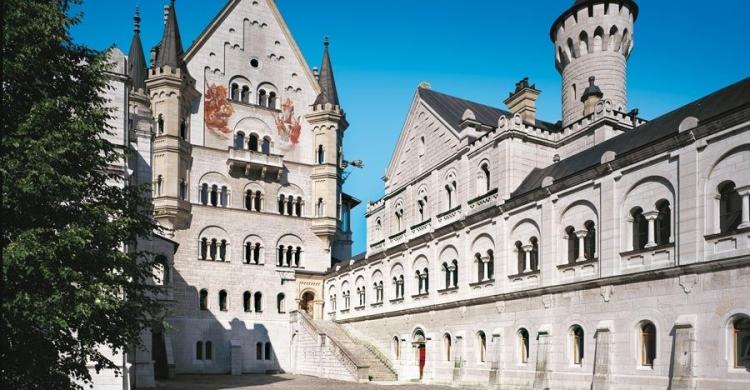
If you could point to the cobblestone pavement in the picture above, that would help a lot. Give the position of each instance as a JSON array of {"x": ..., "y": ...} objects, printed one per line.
[{"x": 274, "y": 382}]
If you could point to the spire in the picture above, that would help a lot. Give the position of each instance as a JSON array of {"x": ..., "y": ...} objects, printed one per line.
[
  {"x": 327, "y": 84},
  {"x": 136, "y": 60},
  {"x": 170, "y": 47}
]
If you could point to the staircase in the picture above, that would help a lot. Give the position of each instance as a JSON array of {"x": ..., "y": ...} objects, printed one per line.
[{"x": 380, "y": 369}]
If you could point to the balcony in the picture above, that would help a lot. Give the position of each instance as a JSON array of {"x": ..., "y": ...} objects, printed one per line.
[
  {"x": 483, "y": 202},
  {"x": 256, "y": 163}
]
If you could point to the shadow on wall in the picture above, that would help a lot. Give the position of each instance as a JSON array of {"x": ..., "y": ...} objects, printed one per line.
[{"x": 214, "y": 382}]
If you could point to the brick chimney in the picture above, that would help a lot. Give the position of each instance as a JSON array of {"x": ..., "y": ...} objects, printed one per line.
[{"x": 523, "y": 100}]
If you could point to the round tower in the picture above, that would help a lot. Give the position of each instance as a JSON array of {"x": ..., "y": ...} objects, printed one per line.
[{"x": 594, "y": 38}]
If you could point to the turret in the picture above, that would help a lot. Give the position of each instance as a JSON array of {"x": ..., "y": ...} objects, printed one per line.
[
  {"x": 172, "y": 91},
  {"x": 329, "y": 123},
  {"x": 594, "y": 38},
  {"x": 139, "y": 107}
]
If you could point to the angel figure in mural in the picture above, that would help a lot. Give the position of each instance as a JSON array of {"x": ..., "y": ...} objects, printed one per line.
[
  {"x": 218, "y": 110},
  {"x": 288, "y": 126}
]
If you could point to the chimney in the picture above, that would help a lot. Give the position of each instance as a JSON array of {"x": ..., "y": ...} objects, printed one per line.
[
  {"x": 523, "y": 100},
  {"x": 590, "y": 97}
]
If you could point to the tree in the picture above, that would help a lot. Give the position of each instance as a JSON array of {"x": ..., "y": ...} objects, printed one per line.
[{"x": 73, "y": 281}]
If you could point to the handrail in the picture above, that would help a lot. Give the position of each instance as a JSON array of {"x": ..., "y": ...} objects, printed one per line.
[
  {"x": 375, "y": 351},
  {"x": 353, "y": 365}
]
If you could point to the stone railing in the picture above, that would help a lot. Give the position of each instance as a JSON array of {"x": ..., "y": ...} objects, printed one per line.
[
  {"x": 483, "y": 201},
  {"x": 375, "y": 351},
  {"x": 449, "y": 216},
  {"x": 421, "y": 227},
  {"x": 358, "y": 370}
]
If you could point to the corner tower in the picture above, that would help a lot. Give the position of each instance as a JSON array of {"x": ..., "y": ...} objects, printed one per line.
[
  {"x": 594, "y": 38},
  {"x": 171, "y": 90},
  {"x": 329, "y": 123}
]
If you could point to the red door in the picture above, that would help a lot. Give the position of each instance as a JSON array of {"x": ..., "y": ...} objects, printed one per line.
[{"x": 422, "y": 356}]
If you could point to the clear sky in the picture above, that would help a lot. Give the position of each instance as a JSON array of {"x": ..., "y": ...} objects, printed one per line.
[{"x": 475, "y": 49}]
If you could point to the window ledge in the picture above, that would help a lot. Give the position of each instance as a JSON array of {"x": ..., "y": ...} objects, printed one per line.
[
  {"x": 487, "y": 282},
  {"x": 344, "y": 311},
  {"x": 446, "y": 290},
  {"x": 397, "y": 235},
  {"x": 577, "y": 263},
  {"x": 397, "y": 300},
  {"x": 359, "y": 308},
  {"x": 376, "y": 304},
  {"x": 213, "y": 261},
  {"x": 647, "y": 250},
  {"x": 418, "y": 296},
  {"x": 524, "y": 274},
  {"x": 253, "y": 263},
  {"x": 443, "y": 214},
  {"x": 726, "y": 234}
]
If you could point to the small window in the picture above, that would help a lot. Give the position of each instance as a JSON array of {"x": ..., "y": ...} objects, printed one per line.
[
  {"x": 640, "y": 228},
  {"x": 589, "y": 242},
  {"x": 396, "y": 345},
  {"x": 447, "y": 345},
  {"x": 252, "y": 142},
  {"x": 262, "y": 98},
  {"x": 520, "y": 257},
  {"x": 259, "y": 351},
  {"x": 281, "y": 303},
  {"x": 741, "y": 342},
  {"x": 576, "y": 343},
  {"x": 534, "y": 255},
  {"x": 647, "y": 343},
  {"x": 204, "y": 194},
  {"x": 203, "y": 301},
  {"x": 245, "y": 94},
  {"x": 204, "y": 248},
  {"x": 254, "y": 63},
  {"x": 663, "y": 223},
  {"x": 183, "y": 130},
  {"x": 321, "y": 155},
  {"x": 272, "y": 100},
  {"x": 730, "y": 207},
  {"x": 160, "y": 124},
  {"x": 266, "y": 146},
  {"x": 234, "y": 92},
  {"x": 199, "y": 350},
  {"x": 246, "y": 301},
  {"x": 258, "y": 301},
  {"x": 523, "y": 345},
  {"x": 572, "y": 244},
  {"x": 223, "y": 250},
  {"x": 223, "y": 300},
  {"x": 209, "y": 350},
  {"x": 482, "y": 341},
  {"x": 183, "y": 189},
  {"x": 214, "y": 195},
  {"x": 239, "y": 140},
  {"x": 268, "y": 351},
  {"x": 213, "y": 248}
]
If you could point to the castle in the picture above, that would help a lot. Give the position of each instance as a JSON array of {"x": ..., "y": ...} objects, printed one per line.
[{"x": 603, "y": 251}]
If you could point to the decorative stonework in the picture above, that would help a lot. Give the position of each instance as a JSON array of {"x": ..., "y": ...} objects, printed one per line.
[
  {"x": 688, "y": 282},
  {"x": 606, "y": 292}
]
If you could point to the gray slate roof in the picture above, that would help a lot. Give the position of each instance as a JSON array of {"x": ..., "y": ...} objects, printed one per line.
[
  {"x": 328, "y": 93},
  {"x": 136, "y": 60},
  {"x": 451, "y": 109},
  {"x": 170, "y": 48},
  {"x": 721, "y": 102}
]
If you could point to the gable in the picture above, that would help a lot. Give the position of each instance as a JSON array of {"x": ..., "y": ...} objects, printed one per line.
[
  {"x": 426, "y": 140},
  {"x": 249, "y": 44}
]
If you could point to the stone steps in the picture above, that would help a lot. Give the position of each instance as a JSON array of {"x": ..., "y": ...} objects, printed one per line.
[{"x": 378, "y": 371}]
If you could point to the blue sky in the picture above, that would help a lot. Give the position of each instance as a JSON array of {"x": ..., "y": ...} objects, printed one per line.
[{"x": 381, "y": 51}]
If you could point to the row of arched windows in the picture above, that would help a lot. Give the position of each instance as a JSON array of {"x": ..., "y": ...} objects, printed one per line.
[
  {"x": 289, "y": 256},
  {"x": 241, "y": 93},
  {"x": 251, "y": 302},
  {"x": 581, "y": 243},
  {"x": 528, "y": 255},
  {"x": 214, "y": 195},
  {"x": 651, "y": 228},
  {"x": 263, "y": 351},
  {"x": 213, "y": 249},
  {"x": 289, "y": 205},
  {"x": 253, "y": 143}
]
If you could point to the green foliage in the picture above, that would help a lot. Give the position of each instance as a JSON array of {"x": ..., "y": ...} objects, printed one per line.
[{"x": 68, "y": 287}]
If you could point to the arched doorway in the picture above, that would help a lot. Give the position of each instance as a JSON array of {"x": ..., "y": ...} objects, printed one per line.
[
  {"x": 306, "y": 302},
  {"x": 419, "y": 344},
  {"x": 159, "y": 354}
]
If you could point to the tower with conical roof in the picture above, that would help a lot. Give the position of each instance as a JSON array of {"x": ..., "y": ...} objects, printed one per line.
[
  {"x": 593, "y": 38},
  {"x": 329, "y": 123},
  {"x": 171, "y": 89}
]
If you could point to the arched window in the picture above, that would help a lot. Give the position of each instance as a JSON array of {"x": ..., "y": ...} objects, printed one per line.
[
  {"x": 252, "y": 142},
  {"x": 223, "y": 300},
  {"x": 741, "y": 342},
  {"x": 572, "y": 238},
  {"x": 272, "y": 100},
  {"x": 484, "y": 179},
  {"x": 447, "y": 273},
  {"x": 730, "y": 207},
  {"x": 290, "y": 205},
  {"x": 162, "y": 265},
  {"x": 663, "y": 224},
  {"x": 289, "y": 255},
  {"x": 297, "y": 256},
  {"x": 258, "y": 302},
  {"x": 266, "y": 146},
  {"x": 482, "y": 341},
  {"x": 259, "y": 351},
  {"x": 245, "y": 94},
  {"x": 204, "y": 194},
  {"x": 183, "y": 129},
  {"x": 203, "y": 300},
  {"x": 583, "y": 43},
  {"x": 421, "y": 146},
  {"x": 214, "y": 195},
  {"x": 520, "y": 257},
  {"x": 298, "y": 207},
  {"x": 399, "y": 219},
  {"x": 447, "y": 344},
  {"x": 571, "y": 49},
  {"x": 258, "y": 199},
  {"x": 159, "y": 183},
  {"x": 213, "y": 249},
  {"x": 199, "y": 350},
  {"x": 248, "y": 200},
  {"x": 183, "y": 189},
  {"x": 160, "y": 124},
  {"x": 246, "y": 301},
  {"x": 321, "y": 155},
  {"x": 280, "y": 255},
  {"x": 281, "y": 303},
  {"x": 224, "y": 196},
  {"x": 256, "y": 253},
  {"x": 234, "y": 91},
  {"x": 262, "y": 98},
  {"x": 396, "y": 346},
  {"x": 611, "y": 45},
  {"x": 589, "y": 242},
  {"x": 282, "y": 202},
  {"x": 490, "y": 264},
  {"x": 420, "y": 209},
  {"x": 248, "y": 253},
  {"x": 640, "y": 228},
  {"x": 239, "y": 140},
  {"x": 647, "y": 343},
  {"x": 209, "y": 350},
  {"x": 204, "y": 248},
  {"x": 576, "y": 344},
  {"x": 223, "y": 250},
  {"x": 268, "y": 350},
  {"x": 450, "y": 194},
  {"x": 598, "y": 36},
  {"x": 523, "y": 345},
  {"x": 534, "y": 255}
]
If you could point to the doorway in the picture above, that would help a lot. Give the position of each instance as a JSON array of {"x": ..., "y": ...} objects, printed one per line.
[
  {"x": 306, "y": 303},
  {"x": 419, "y": 343}
]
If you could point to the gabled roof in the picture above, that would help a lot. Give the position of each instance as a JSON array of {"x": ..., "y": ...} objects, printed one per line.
[
  {"x": 452, "y": 108},
  {"x": 136, "y": 60},
  {"x": 328, "y": 93},
  {"x": 170, "y": 47},
  {"x": 706, "y": 108}
]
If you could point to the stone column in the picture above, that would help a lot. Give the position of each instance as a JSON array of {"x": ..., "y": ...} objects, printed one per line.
[
  {"x": 745, "y": 194},
  {"x": 581, "y": 234},
  {"x": 486, "y": 266},
  {"x": 527, "y": 263},
  {"x": 451, "y": 270},
  {"x": 422, "y": 280},
  {"x": 651, "y": 218}
]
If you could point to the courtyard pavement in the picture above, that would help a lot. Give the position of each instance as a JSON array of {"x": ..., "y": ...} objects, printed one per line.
[{"x": 274, "y": 382}]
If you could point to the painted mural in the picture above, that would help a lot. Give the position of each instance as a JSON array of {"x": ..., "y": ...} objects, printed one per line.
[
  {"x": 218, "y": 110},
  {"x": 287, "y": 124}
]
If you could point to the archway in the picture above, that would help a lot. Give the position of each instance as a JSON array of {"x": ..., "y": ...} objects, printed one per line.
[
  {"x": 306, "y": 303},
  {"x": 419, "y": 344}
]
